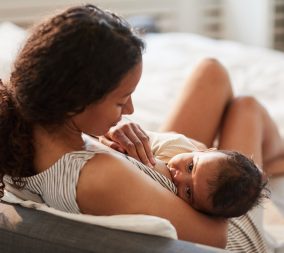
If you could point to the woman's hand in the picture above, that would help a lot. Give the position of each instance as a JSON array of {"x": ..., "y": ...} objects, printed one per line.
[{"x": 129, "y": 138}]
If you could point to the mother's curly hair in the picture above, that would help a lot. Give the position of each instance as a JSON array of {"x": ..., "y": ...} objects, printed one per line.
[{"x": 70, "y": 60}]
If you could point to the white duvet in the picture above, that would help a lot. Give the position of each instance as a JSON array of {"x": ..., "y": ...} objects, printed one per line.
[{"x": 168, "y": 59}]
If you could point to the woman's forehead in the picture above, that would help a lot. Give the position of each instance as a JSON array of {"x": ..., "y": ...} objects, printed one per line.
[{"x": 129, "y": 82}]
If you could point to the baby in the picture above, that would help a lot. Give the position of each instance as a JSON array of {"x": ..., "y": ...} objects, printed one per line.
[{"x": 215, "y": 182}]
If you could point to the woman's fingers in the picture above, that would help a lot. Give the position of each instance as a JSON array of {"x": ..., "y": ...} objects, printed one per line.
[
  {"x": 138, "y": 146},
  {"x": 144, "y": 138},
  {"x": 111, "y": 144},
  {"x": 134, "y": 141}
]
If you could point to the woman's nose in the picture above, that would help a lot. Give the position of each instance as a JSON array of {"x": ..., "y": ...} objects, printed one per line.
[{"x": 128, "y": 107}]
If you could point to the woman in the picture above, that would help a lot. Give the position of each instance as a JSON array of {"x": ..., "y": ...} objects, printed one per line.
[{"x": 75, "y": 75}]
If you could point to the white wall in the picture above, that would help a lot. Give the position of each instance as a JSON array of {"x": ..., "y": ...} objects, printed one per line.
[
  {"x": 25, "y": 12},
  {"x": 249, "y": 21},
  {"x": 189, "y": 18}
]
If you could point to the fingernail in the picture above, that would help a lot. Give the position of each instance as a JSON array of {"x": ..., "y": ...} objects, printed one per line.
[{"x": 153, "y": 161}]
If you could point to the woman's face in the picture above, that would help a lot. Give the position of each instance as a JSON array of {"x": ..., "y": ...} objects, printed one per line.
[
  {"x": 191, "y": 172},
  {"x": 97, "y": 118}
]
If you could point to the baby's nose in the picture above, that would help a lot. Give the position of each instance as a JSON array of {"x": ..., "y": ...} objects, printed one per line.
[{"x": 177, "y": 176}]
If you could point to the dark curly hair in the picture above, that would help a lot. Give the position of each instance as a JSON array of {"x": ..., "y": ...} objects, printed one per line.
[
  {"x": 238, "y": 186},
  {"x": 69, "y": 61}
]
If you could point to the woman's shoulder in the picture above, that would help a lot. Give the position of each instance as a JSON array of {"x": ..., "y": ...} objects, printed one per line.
[
  {"x": 102, "y": 179},
  {"x": 68, "y": 165},
  {"x": 57, "y": 184},
  {"x": 110, "y": 185}
]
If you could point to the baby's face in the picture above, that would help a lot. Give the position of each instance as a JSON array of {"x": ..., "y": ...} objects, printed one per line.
[{"x": 190, "y": 173}]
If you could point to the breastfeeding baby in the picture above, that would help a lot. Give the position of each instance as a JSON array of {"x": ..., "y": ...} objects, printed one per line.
[{"x": 215, "y": 182}]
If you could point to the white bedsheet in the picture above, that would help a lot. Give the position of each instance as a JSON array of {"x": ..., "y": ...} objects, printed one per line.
[{"x": 168, "y": 59}]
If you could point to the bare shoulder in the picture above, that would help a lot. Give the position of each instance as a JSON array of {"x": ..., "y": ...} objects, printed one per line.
[{"x": 111, "y": 185}]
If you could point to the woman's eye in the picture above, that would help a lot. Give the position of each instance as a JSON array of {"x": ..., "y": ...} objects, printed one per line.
[
  {"x": 190, "y": 167},
  {"x": 188, "y": 192}
]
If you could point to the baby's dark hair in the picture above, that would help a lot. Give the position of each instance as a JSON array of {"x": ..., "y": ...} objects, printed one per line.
[
  {"x": 70, "y": 61},
  {"x": 239, "y": 186}
]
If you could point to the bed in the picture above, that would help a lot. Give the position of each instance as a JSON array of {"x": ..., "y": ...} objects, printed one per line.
[{"x": 168, "y": 59}]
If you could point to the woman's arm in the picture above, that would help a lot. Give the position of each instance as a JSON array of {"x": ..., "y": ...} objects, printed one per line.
[{"x": 109, "y": 185}]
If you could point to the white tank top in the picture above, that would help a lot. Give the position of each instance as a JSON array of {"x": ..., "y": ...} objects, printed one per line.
[{"x": 57, "y": 185}]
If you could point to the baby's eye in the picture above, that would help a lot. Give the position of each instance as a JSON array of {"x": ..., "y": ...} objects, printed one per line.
[
  {"x": 188, "y": 192},
  {"x": 190, "y": 167}
]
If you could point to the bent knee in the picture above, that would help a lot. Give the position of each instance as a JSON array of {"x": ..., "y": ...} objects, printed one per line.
[
  {"x": 215, "y": 76},
  {"x": 211, "y": 65},
  {"x": 246, "y": 104}
]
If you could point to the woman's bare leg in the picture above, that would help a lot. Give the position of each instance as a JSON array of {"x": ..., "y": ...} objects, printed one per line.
[
  {"x": 275, "y": 166},
  {"x": 199, "y": 108},
  {"x": 248, "y": 128}
]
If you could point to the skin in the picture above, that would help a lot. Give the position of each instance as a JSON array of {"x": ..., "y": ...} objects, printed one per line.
[
  {"x": 94, "y": 120},
  {"x": 190, "y": 172},
  {"x": 232, "y": 120},
  {"x": 105, "y": 180},
  {"x": 130, "y": 138},
  {"x": 191, "y": 178},
  {"x": 221, "y": 113}
]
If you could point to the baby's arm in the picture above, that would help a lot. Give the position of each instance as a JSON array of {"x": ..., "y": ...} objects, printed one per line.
[{"x": 166, "y": 145}]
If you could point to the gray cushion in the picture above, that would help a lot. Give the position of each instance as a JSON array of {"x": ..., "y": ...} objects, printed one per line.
[{"x": 28, "y": 230}]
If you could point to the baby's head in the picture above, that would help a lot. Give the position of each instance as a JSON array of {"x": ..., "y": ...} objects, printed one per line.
[{"x": 216, "y": 182}]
